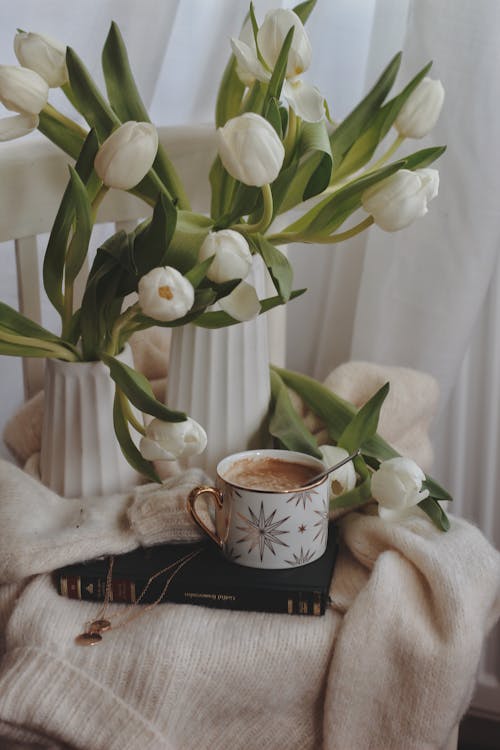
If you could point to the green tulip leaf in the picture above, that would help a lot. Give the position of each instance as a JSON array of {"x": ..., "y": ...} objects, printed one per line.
[
  {"x": 221, "y": 319},
  {"x": 279, "y": 72},
  {"x": 337, "y": 413},
  {"x": 190, "y": 231},
  {"x": 91, "y": 103},
  {"x": 273, "y": 116},
  {"x": 70, "y": 140},
  {"x": 126, "y": 101},
  {"x": 359, "y": 495},
  {"x": 364, "y": 147},
  {"x": 277, "y": 263},
  {"x": 285, "y": 424},
  {"x": 315, "y": 139},
  {"x": 431, "y": 507},
  {"x": 150, "y": 246},
  {"x": 245, "y": 201},
  {"x": 304, "y": 10},
  {"x": 138, "y": 390},
  {"x": 78, "y": 247},
  {"x": 349, "y": 130},
  {"x": 332, "y": 211},
  {"x": 230, "y": 94},
  {"x": 23, "y": 350},
  {"x": 16, "y": 322},
  {"x": 423, "y": 158},
  {"x": 127, "y": 445},
  {"x": 364, "y": 423},
  {"x": 55, "y": 253},
  {"x": 199, "y": 272}
]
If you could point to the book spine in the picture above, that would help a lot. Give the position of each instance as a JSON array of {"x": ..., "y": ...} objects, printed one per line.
[{"x": 93, "y": 588}]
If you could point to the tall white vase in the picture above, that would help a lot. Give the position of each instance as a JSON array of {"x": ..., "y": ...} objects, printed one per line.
[
  {"x": 80, "y": 455},
  {"x": 221, "y": 379}
]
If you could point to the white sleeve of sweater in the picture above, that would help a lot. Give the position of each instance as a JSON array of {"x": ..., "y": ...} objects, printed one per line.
[{"x": 41, "y": 531}]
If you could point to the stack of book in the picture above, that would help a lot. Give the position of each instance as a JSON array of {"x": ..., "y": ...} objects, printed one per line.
[{"x": 207, "y": 579}]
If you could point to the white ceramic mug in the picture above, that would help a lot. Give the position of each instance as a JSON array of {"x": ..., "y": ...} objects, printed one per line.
[{"x": 267, "y": 528}]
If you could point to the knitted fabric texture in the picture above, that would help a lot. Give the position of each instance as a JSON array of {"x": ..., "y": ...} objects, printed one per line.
[{"x": 391, "y": 665}]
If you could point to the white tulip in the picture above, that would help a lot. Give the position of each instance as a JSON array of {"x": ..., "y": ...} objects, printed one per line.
[
  {"x": 397, "y": 487},
  {"x": 396, "y": 201},
  {"x": 165, "y": 294},
  {"x": 271, "y": 36},
  {"x": 232, "y": 258},
  {"x": 242, "y": 304},
  {"x": 17, "y": 126},
  {"x": 127, "y": 155},
  {"x": 306, "y": 100},
  {"x": 22, "y": 90},
  {"x": 168, "y": 441},
  {"x": 420, "y": 112},
  {"x": 343, "y": 479},
  {"x": 44, "y": 55},
  {"x": 250, "y": 149}
]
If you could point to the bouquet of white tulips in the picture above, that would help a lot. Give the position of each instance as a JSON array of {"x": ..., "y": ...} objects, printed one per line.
[{"x": 278, "y": 150}]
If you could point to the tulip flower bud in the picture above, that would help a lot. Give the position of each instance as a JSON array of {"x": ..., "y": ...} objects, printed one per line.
[
  {"x": 165, "y": 294},
  {"x": 168, "y": 441},
  {"x": 420, "y": 112},
  {"x": 343, "y": 479},
  {"x": 396, "y": 201},
  {"x": 397, "y": 487},
  {"x": 250, "y": 149},
  {"x": 127, "y": 155},
  {"x": 44, "y": 55},
  {"x": 22, "y": 90},
  {"x": 17, "y": 126},
  {"x": 232, "y": 257},
  {"x": 242, "y": 304},
  {"x": 271, "y": 36}
]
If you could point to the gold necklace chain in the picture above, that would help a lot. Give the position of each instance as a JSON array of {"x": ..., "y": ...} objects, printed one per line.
[{"x": 91, "y": 636}]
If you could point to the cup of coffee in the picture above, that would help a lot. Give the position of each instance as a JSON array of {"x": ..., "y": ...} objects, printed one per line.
[{"x": 267, "y": 515}]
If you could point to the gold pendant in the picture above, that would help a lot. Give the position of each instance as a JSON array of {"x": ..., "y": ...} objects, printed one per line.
[
  {"x": 88, "y": 639},
  {"x": 100, "y": 626}
]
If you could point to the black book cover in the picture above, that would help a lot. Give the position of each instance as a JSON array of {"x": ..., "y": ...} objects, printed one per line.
[{"x": 207, "y": 579}]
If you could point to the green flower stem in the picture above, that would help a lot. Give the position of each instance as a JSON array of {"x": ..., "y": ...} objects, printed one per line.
[
  {"x": 282, "y": 238},
  {"x": 118, "y": 327},
  {"x": 66, "y": 121},
  {"x": 385, "y": 157},
  {"x": 129, "y": 415},
  {"x": 68, "y": 92},
  {"x": 291, "y": 135},
  {"x": 265, "y": 219},
  {"x": 98, "y": 200},
  {"x": 50, "y": 348}
]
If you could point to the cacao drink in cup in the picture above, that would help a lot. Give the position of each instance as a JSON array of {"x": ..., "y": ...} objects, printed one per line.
[{"x": 264, "y": 515}]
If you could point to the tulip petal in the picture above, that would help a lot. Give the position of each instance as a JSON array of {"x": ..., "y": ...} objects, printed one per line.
[
  {"x": 152, "y": 451},
  {"x": 17, "y": 126},
  {"x": 243, "y": 302},
  {"x": 306, "y": 100},
  {"x": 249, "y": 66}
]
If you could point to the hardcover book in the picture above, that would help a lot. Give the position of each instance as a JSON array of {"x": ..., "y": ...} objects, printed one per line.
[{"x": 207, "y": 579}]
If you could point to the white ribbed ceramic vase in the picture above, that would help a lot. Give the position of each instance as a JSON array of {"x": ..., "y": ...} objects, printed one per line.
[
  {"x": 80, "y": 455},
  {"x": 221, "y": 379}
]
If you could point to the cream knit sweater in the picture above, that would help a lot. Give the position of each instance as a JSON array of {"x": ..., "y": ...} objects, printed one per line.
[{"x": 391, "y": 666}]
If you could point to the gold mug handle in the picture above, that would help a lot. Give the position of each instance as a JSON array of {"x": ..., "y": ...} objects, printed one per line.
[{"x": 191, "y": 504}]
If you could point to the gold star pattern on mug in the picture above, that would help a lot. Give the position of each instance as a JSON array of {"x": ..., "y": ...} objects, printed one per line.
[
  {"x": 302, "y": 558},
  {"x": 322, "y": 523},
  {"x": 302, "y": 497},
  {"x": 302, "y": 528},
  {"x": 262, "y": 532}
]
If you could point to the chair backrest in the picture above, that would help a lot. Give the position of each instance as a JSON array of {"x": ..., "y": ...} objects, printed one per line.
[{"x": 33, "y": 176}]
